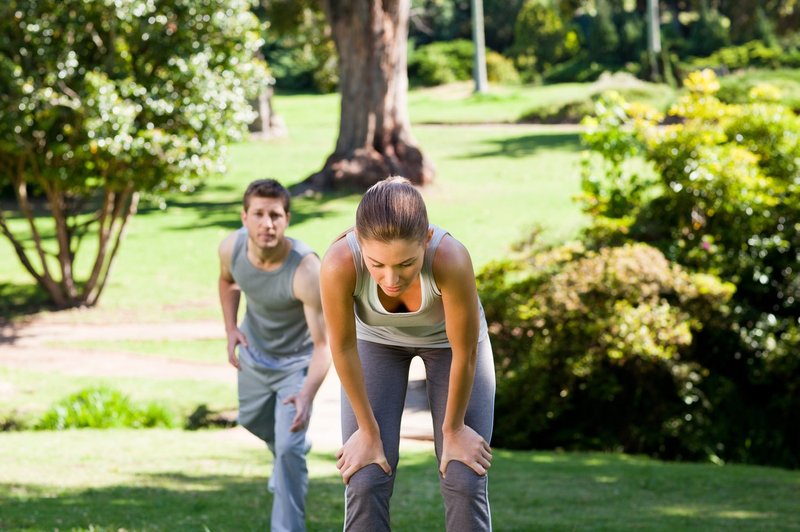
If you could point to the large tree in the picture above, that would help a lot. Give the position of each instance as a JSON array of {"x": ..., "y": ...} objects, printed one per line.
[
  {"x": 375, "y": 138},
  {"x": 102, "y": 101}
]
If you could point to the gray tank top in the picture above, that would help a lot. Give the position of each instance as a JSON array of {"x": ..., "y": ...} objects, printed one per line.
[
  {"x": 422, "y": 328},
  {"x": 274, "y": 322}
]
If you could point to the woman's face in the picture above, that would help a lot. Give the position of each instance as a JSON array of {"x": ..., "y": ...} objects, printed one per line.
[{"x": 395, "y": 265}]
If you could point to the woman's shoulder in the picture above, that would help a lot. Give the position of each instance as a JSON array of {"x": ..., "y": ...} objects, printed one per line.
[
  {"x": 452, "y": 265},
  {"x": 338, "y": 260},
  {"x": 450, "y": 250},
  {"x": 451, "y": 259}
]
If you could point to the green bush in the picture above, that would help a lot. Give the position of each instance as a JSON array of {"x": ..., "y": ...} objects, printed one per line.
[
  {"x": 446, "y": 62},
  {"x": 730, "y": 58},
  {"x": 591, "y": 350},
  {"x": 100, "y": 408},
  {"x": 567, "y": 113},
  {"x": 719, "y": 194},
  {"x": 301, "y": 53},
  {"x": 12, "y": 421},
  {"x": 542, "y": 37},
  {"x": 603, "y": 39},
  {"x": 708, "y": 32},
  {"x": 574, "y": 111},
  {"x": 737, "y": 88},
  {"x": 577, "y": 69},
  {"x": 440, "y": 63},
  {"x": 500, "y": 69}
]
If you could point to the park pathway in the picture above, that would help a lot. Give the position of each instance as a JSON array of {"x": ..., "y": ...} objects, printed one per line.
[{"x": 44, "y": 345}]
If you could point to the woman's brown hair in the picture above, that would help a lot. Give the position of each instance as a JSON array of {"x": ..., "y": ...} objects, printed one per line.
[{"x": 392, "y": 209}]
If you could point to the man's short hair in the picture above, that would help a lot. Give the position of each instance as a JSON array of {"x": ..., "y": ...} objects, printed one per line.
[{"x": 266, "y": 188}]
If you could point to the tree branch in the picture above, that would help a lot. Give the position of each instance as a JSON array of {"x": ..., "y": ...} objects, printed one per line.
[
  {"x": 134, "y": 202},
  {"x": 104, "y": 230},
  {"x": 21, "y": 192},
  {"x": 62, "y": 237}
]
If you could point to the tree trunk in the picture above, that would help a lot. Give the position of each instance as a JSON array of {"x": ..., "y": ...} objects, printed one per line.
[
  {"x": 374, "y": 130},
  {"x": 653, "y": 39},
  {"x": 479, "y": 56}
]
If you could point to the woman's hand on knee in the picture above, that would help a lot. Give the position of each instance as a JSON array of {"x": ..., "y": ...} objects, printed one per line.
[
  {"x": 360, "y": 450},
  {"x": 466, "y": 446}
]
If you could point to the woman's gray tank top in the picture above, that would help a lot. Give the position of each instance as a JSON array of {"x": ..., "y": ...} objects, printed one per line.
[
  {"x": 422, "y": 328},
  {"x": 274, "y": 322}
]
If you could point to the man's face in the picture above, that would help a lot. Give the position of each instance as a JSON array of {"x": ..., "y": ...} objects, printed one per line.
[{"x": 266, "y": 221}]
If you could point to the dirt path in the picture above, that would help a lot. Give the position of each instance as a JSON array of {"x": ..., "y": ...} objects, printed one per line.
[
  {"x": 36, "y": 346},
  {"x": 43, "y": 344}
]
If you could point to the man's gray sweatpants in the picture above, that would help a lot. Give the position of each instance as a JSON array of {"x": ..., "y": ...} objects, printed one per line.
[
  {"x": 465, "y": 493},
  {"x": 262, "y": 412}
]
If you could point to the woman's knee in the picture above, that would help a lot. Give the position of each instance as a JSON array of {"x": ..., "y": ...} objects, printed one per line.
[
  {"x": 368, "y": 481},
  {"x": 462, "y": 479}
]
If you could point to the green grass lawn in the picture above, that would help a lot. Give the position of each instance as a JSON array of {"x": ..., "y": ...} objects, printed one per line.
[{"x": 215, "y": 480}]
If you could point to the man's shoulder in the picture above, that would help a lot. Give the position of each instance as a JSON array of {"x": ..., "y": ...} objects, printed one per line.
[
  {"x": 300, "y": 247},
  {"x": 228, "y": 243}
]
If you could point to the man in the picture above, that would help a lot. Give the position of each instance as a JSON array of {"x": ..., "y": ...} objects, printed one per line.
[{"x": 283, "y": 352}]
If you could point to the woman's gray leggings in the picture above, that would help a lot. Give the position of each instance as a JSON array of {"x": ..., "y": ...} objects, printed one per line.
[{"x": 465, "y": 493}]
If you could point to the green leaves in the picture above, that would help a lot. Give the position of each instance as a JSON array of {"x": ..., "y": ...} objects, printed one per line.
[{"x": 103, "y": 101}]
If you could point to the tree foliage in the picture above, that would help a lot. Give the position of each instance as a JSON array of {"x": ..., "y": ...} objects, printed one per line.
[
  {"x": 103, "y": 101},
  {"x": 721, "y": 197},
  {"x": 582, "y": 335}
]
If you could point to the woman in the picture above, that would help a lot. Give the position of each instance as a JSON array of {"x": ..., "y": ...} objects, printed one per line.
[{"x": 392, "y": 289}]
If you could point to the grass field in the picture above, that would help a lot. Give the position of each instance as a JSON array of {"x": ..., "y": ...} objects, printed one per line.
[{"x": 215, "y": 480}]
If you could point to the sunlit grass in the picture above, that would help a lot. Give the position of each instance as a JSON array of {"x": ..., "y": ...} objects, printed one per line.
[{"x": 172, "y": 479}]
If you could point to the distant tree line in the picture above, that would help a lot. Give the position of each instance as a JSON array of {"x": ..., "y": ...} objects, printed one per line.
[{"x": 540, "y": 40}]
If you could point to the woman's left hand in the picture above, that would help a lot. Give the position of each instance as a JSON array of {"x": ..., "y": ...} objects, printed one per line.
[{"x": 466, "y": 446}]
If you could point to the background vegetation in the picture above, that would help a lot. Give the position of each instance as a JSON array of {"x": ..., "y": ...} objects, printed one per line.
[{"x": 550, "y": 40}]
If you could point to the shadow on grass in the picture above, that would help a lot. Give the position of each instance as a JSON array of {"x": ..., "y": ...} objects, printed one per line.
[
  {"x": 17, "y": 300},
  {"x": 226, "y": 214},
  {"x": 203, "y": 502},
  {"x": 529, "y": 491},
  {"x": 527, "y": 145}
]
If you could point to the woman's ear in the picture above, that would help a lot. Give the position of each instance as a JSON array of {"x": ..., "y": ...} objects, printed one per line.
[{"x": 429, "y": 237}]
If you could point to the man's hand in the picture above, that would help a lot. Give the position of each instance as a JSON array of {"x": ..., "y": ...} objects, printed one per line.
[
  {"x": 302, "y": 407},
  {"x": 468, "y": 447},
  {"x": 359, "y": 451},
  {"x": 235, "y": 337}
]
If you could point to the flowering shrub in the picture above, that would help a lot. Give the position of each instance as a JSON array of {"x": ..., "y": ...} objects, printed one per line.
[
  {"x": 717, "y": 191},
  {"x": 591, "y": 349}
]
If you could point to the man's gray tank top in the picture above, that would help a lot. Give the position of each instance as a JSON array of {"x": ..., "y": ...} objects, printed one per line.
[
  {"x": 422, "y": 328},
  {"x": 274, "y": 322}
]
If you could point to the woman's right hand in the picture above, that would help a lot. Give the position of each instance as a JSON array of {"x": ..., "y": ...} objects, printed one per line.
[{"x": 360, "y": 450}]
